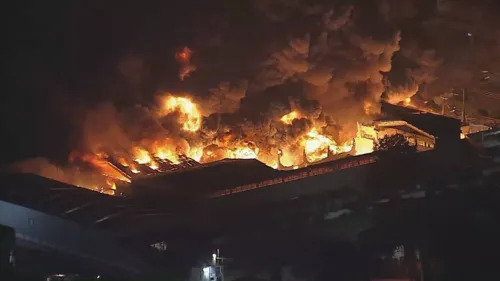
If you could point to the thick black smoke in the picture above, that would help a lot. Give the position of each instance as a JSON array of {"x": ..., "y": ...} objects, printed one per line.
[
  {"x": 322, "y": 49},
  {"x": 258, "y": 60},
  {"x": 266, "y": 58}
]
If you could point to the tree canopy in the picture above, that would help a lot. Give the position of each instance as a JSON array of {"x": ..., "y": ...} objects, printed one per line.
[{"x": 397, "y": 144}]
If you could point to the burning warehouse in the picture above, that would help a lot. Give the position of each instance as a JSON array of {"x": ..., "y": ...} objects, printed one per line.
[
  {"x": 182, "y": 179},
  {"x": 182, "y": 184},
  {"x": 172, "y": 172},
  {"x": 309, "y": 97},
  {"x": 239, "y": 102},
  {"x": 249, "y": 181}
]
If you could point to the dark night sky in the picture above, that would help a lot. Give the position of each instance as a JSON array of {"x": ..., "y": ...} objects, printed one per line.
[{"x": 60, "y": 52}]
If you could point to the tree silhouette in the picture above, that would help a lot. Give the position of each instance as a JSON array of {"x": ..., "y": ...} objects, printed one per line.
[{"x": 397, "y": 144}]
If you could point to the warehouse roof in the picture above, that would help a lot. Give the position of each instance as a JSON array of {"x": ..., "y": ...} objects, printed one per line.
[
  {"x": 69, "y": 202},
  {"x": 437, "y": 125},
  {"x": 208, "y": 177}
]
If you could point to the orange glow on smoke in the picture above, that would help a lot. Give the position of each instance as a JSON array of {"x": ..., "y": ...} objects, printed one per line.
[
  {"x": 165, "y": 153},
  {"x": 316, "y": 146},
  {"x": 288, "y": 118},
  {"x": 150, "y": 154},
  {"x": 184, "y": 58},
  {"x": 100, "y": 164},
  {"x": 189, "y": 115},
  {"x": 243, "y": 152},
  {"x": 141, "y": 155},
  {"x": 183, "y": 55}
]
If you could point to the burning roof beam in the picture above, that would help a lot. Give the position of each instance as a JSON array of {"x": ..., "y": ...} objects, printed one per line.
[
  {"x": 156, "y": 166},
  {"x": 120, "y": 171}
]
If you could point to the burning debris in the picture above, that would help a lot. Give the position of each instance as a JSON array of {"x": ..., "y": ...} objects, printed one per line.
[
  {"x": 175, "y": 135},
  {"x": 184, "y": 133},
  {"x": 184, "y": 59}
]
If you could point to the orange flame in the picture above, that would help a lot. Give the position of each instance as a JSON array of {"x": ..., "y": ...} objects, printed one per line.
[
  {"x": 100, "y": 164},
  {"x": 184, "y": 55},
  {"x": 189, "y": 115},
  {"x": 133, "y": 169},
  {"x": 243, "y": 152},
  {"x": 312, "y": 146},
  {"x": 141, "y": 155},
  {"x": 167, "y": 154},
  {"x": 316, "y": 146},
  {"x": 288, "y": 118}
]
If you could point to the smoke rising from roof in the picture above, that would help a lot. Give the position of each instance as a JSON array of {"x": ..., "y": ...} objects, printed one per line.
[
  {"x": 70, "y": 175},
  {"x": 245, "y": 69},
  {"x": 327, "y": 61}
]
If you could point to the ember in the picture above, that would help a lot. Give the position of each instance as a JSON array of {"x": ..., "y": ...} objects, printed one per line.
[{"x": 184, "y": 58}]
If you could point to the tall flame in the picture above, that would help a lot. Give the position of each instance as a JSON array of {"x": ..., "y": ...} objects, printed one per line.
[
  {"x": 288, "y": 118},
  {"x": 141, "y": 155},
  {"x": 189, "y": 115},
  {"x": 243, "y": 152},
  {"x": 311, "y": 146},
  {"x": 316, "y": 146}
]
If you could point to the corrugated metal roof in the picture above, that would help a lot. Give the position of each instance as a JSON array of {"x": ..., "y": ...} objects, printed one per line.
[
  {"x": 437, "y": 125},
  {"x": 68, "y": 202},
  {"x": 205, "y": 178}
]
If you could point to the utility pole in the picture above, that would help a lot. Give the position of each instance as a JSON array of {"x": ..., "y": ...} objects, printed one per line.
[
  {"x": 443, "y": 104},
  {"x": 218, "y": 263},
  {"x": 463, "y": 106}
]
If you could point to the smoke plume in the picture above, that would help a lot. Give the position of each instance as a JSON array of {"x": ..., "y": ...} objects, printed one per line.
[
  {"x": 282, "y": 76},
  {"x": 71, "y": 175},
  {"x": 328, "y": 73}
]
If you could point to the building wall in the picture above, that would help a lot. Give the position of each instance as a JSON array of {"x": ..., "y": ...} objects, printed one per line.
[
  {"x": 354, "y": 177},
  {"x": 38, "y": 230}
]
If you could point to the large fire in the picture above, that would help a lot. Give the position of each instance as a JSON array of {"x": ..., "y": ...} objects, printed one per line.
[
  {"x": 189, "y": 115},
  {"x": 152, "y": 154},
  {"x": 336, "y": 79}
]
